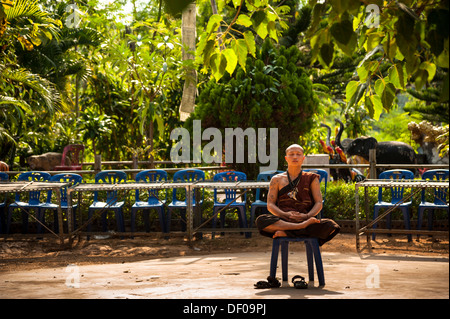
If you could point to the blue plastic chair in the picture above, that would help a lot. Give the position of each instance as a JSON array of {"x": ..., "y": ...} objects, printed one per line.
[
  {"x": 3, "y": 178},
  {"x": 74, "y": 179},
  {"x": 323, "y": 178},
  {"x": 440, "y": 197},
  {"x": 178, "y": 200},
  {"x": 397, "y": 196},
  {"x": 153, "y": 202},
  {"x": 111, "y": 203},
  {"x": 230, "y": 195},
  {"x": 259, "y": 202},
  {"x": 33, "y": 203},
  {"x": 312, "y": 254}
]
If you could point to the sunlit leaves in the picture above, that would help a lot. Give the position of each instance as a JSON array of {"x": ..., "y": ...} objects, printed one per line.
[
  {"x": 27, "y": 23},
  {"x": 397, "y": 75},
  {"x": 213, "y": 24},
  {"x": 231, "y": 59},
  {"x": 225, "y": 45},
  {"x": 401, "y": 46},
  {"x": 374, "y": 106},
  {"x": 244, "y": 20},
  {"x": 250, "y": 42},
  {"x": 240, "y": 47}
]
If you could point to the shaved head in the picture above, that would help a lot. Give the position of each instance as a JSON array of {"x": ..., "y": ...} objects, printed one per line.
[{"x": 296, "y": 147}]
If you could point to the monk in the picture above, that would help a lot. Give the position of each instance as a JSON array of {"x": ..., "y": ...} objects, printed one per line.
[{"x": 294, "y": 200}]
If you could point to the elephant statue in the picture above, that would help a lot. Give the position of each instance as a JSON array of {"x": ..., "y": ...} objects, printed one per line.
[
  {"x": 336, "y": 158},
  {"x": 386, "y": 152},
  {"x": 328, "y": 141},
  {"x": 344, "y": 144}
]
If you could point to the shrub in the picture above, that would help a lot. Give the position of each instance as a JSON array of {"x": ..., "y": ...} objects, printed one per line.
[
  {"x": 274, "y": 92},
  {"x": 340, "y": 202}
]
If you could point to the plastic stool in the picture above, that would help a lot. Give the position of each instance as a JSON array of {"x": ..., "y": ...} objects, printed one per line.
[{"x": 312, "y": 249}]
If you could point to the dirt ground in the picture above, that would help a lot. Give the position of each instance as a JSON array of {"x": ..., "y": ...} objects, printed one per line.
[
  {"x": 227, "y": 267},
  {"x": 19, "y": 255}
]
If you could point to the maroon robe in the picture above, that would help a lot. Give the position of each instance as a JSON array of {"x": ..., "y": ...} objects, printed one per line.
[{"x": 303, "y": 203}]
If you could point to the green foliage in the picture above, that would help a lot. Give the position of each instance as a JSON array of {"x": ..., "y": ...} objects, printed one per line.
[
  {"x": 119, "y": 80},
  {"x": 402, "y": 44},
  {"x": 427, "y": 104},
  {"x": 95, "y": 127},
  {"x": 443, "y": 140},
  {"x": 225, "y": 44},
  {"x": 340, "y": 202},
  {"x": 298, "y": 21},
  {"x": 62, "y": 57},
  {"x": 133, "y": 74},
  {"x": 26, "y": 97},
  {"x": 274, "y": 92},
  {"x": 394, "y": 127}
]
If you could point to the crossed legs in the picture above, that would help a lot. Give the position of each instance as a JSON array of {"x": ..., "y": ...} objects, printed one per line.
[{"x": 278, "y": 228}]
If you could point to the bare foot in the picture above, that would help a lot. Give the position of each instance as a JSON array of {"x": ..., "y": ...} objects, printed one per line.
[
  {"x": 308, "y": 222},
  {"x": 311, "y": 221},
  {"x": 279, "y": 233}
]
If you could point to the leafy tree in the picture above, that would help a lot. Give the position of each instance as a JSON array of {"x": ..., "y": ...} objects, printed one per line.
[
  {"x": 403, "y": 43},
  {"x": 95, "y": 127},
  {"x": 273, "y": 92},
  {"x": 298, "y": 21},
  {"x": 428, "y": 103},
  {"x": 225, "y": 44},
  {"x": 147, "y": 59},
  {"x": 23, "y": 26}
]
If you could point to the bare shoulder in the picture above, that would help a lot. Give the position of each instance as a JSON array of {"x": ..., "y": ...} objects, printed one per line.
[
  {"x": 278, "y": 180},
  {"x": 279, "y": 177}
]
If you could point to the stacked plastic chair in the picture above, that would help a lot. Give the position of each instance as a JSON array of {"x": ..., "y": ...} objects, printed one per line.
[
  {"x": 153, "y": 202},
  {"x": 230, "y": 196},
  {"x": 74, "y": 153},
  {"x": 396, "y": 197},
  {"x": 440, "y": 197},
  {"x": 111, "y": 203},
  {"x": 178, "y": 200},
  {"x": 74, "y": 179},
  {"x": 313, "y": 254},
  {"x": 259, "y": 202},
  {"x": 33, "y": 203}
]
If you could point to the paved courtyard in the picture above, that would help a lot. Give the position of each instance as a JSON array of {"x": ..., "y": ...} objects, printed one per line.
[{"x": 232, "y": 275}]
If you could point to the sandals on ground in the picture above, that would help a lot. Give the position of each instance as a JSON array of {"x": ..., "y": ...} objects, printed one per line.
[
  {"x": 298, "y": 281},
  {"x": 299, "y": 284},
  {"x": 270, "y": 283}
]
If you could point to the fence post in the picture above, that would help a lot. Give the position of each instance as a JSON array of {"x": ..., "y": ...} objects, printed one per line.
[
  {"x": 373, "y": 163},
  {"x": 98, "y": 163}
]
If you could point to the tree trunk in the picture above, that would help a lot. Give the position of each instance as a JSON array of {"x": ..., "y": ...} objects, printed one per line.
[
  {"x": 188, "y": 34},
  {"x": 214, "y": 6}
]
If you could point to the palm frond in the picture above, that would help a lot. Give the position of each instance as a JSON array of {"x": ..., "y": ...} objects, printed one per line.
[
  {"x": 42, "y": 28},
  {"x": 8, "y": 101},
  {"x": 25, "y": 9},
  {"x": 5, "y": 137},
  {"x": 42, "y": 87},
  {"x": 12, "y": 111},
  {"x": 79, "y": 37}
]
